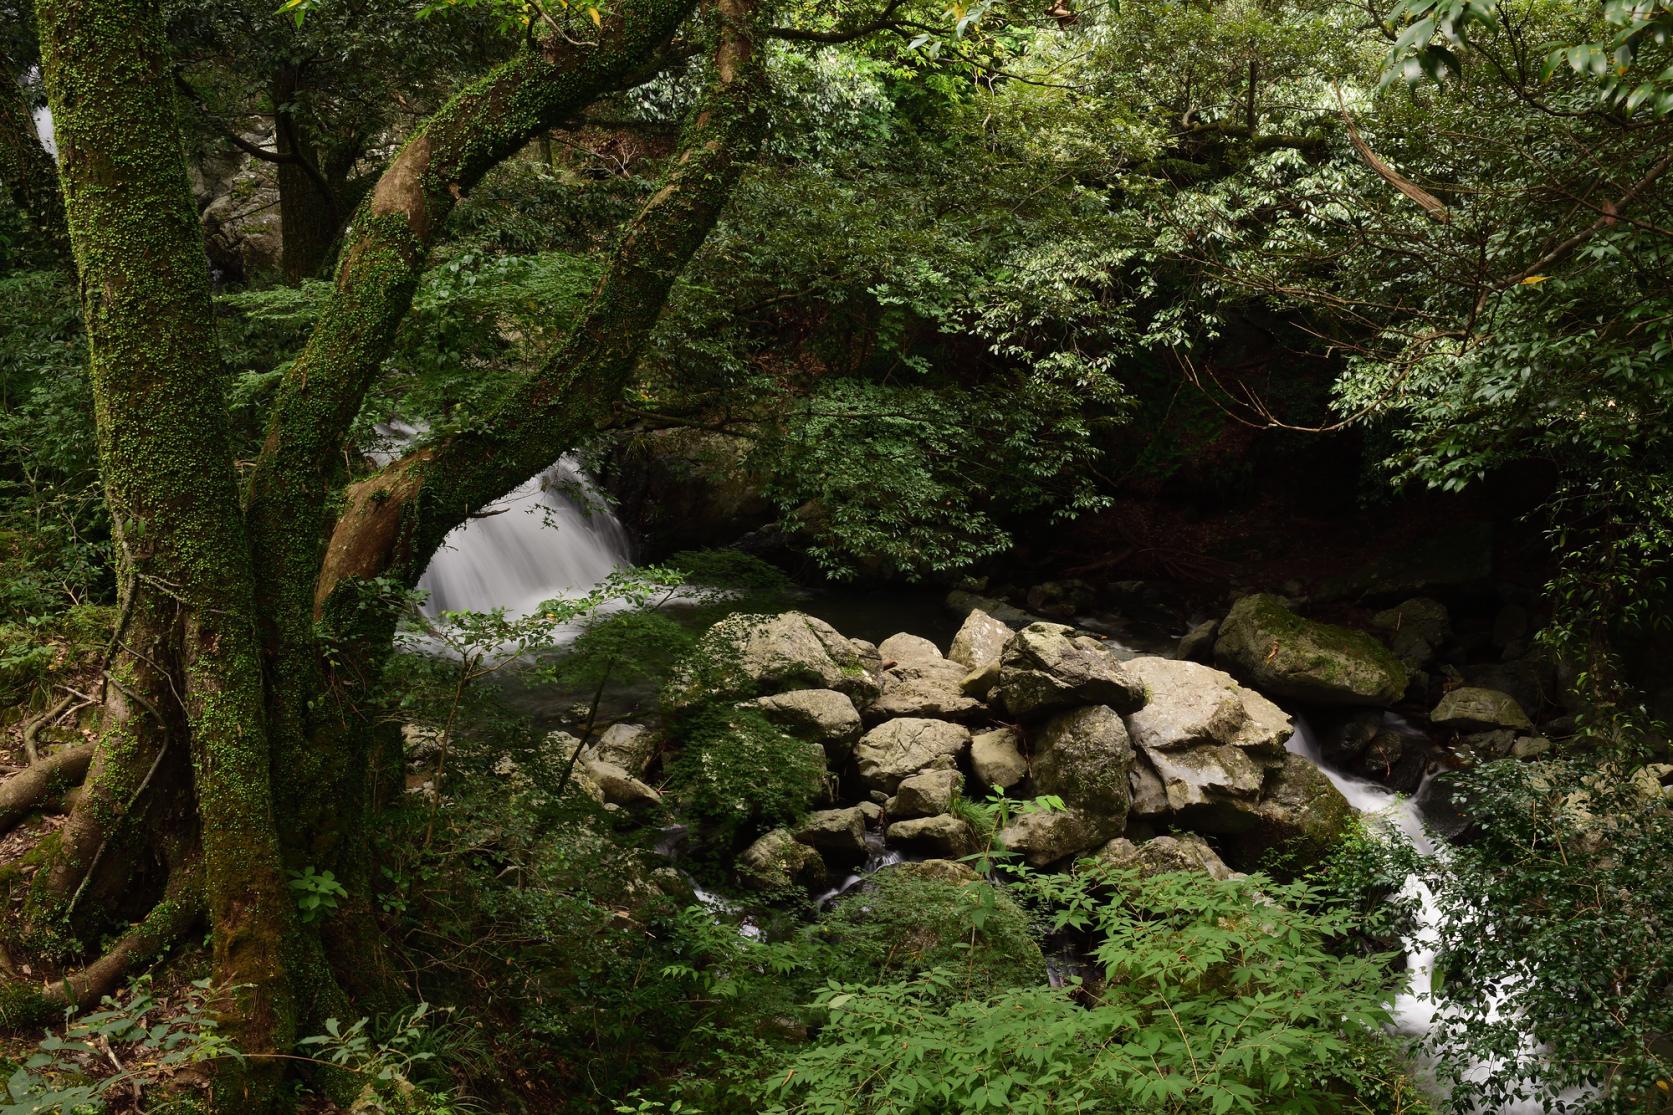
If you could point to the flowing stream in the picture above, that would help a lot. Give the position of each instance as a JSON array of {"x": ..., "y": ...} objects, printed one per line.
[{"x": 1417, "y": 1011}]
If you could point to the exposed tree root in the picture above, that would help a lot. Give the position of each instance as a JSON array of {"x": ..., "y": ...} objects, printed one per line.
[
  {"x": 23, "y": 1005},
  {"x": 24, "y": 791}
]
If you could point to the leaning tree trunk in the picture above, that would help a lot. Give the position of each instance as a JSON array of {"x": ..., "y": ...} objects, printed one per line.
[{"x": 190, "y": 652}]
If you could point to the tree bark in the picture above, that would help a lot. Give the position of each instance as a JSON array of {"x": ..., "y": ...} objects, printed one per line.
[
  {"x": 308, "y": 211},
  {"x": 393, "y": 521},
  {"x": 164, "y": 452}
]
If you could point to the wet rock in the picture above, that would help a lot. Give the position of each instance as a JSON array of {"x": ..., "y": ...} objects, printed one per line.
[
  {"x": 1045, "y": 668},
  {"x": 1487, "y": 746},
  {"x": 821, "y": 716},
  {"x": 980, "y": 640},
  {"x": 872, "y": 810},
  {"x": 1182, "y": 852},
  {"x": 963, "y": 602},
  {"x": 840, "y": 833},
  {"x": 897, "y": 749},
  {"x": 1529, "y": 747},
  {"x": 1415, "y": 629},
  {"x": 630, "y": 746},
  {"x": 1190, "y": 704},
  {"x": 1084, "y": 757},
  {"x": 996, "y": 757},
  {"x": 1471, "y": 707},
  {"x": 778, "y": 860},
  {"x": 685, "y": 489},
  {"x": 1279, "y": 652},
  {"x": 745, "y": 656},
  {"x": 944, "y": 835},
  {"x": 940, "y": 870},
  {"x": 925, "y": 795},
  {"x": 1061, "y": 599}
]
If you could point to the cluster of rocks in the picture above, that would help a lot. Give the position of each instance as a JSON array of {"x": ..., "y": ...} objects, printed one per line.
[
  {"x": 1481, "y": 709},
  {"x": 1132, "y": 750}
]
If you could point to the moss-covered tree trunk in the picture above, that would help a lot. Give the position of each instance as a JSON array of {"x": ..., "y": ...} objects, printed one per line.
[{"x": 164, "y": 453}]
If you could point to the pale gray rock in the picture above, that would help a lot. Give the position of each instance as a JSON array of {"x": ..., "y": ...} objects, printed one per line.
[
  {"x": 943, "y": 835},
  {"x": 897, "y": 749},
  {"x": 838, "y": 832},
  {"x": 1471, "y": 707},
  {"x": 1084, "y": 757},
  {"x": 1046, "y": 668},
  {"x": 778, "y": 860},
  {"x": 618, "y": 786},
  {"x": 996, "y": 758},
  {"x": 1046, "y": 837},
  {"x": 904, "y": 647},
  {"x": 630, "y": 746},
  {"x": 1206, "y": 775},
  {"x": 1185, "y": 851},
  {"x": 822, "y": 716},
  {"x": 925, "y": 795},
  {"x": 980, "y": 641},
  {"x": 746, "y": 656}
]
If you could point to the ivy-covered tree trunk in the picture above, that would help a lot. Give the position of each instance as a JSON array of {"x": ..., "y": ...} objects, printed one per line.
[
  {"x": 161, "y": 418},
  {"x": 230, "y": 749},
  {"x": 308, "y": 207}
]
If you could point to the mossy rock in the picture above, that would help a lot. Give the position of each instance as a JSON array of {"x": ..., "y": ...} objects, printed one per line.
[
  {"x": 1282, "y": 654},
  {"x": 906, "y": 922}
]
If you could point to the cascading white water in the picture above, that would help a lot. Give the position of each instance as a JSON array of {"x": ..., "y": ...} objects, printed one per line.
[
  {"x": 554, "y": 536},
  {"x": 551, "y": 537},
  {"x": 1417, "y": 1010}
]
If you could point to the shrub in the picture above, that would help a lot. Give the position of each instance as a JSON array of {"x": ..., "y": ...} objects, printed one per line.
[{"x": 737, "y": 775}]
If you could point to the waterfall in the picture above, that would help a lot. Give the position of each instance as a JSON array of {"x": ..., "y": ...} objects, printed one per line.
[
  {"x": 1416, "y": 1010},
  {"x": 553, "y": 536}
]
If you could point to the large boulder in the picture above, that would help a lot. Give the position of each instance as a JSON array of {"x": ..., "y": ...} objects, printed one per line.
[
  {"x": 841, "y": 833},
  {"x": 629, "y": 746},
  {"x": 1279, "y": 652},
  {"x": 779, "y": 860},
  {"x": 1045, "y": 837},
  {"x": 1183, "y": 852},
  {"x": 1084, "y": 757},
  {"x": 943, "y": 836},
  {"x": 996, "y": 757},
  {"x": 822, "y": 716},
  {"x": 618, "y": 786},
  {"x": 923, "y": 686},
  {"x": 1469, "y": 707},
  {"x": 897, "y": 749},
  {"x": 904, "y": 647},
  {"x": 1301, "y": 815},
  {"x": 1207, "y": 781},
  {"x": 1046, "y": 668},
  {"x": 746, "y": 656},
  {"x": 1191, "y": 704},
  {"x": 980, "y": 640},
  {"x": 926, "y": 795}
]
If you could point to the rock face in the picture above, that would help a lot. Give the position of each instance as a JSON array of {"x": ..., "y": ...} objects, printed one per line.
[
  {"x": 746, "y": 656},
  {"x": 897, "y": 749},
  {"x": 777, "y": 860},
  {"x": 996, "y": 757},
  {"x": 1045, "y": 668},
  {"x": 945, "y": 836},
  {"x": 1200, "y": 779},
  {"x": 979, "y": 641},
  {"x": 925, "y": 795},
  {"x": 1278, "y": 652},
  {"x": 1184, "y": 852},
  {"x": 1084, "y": 757},
  {"x": 821, "y": 716},
  {"x": 838, "y": 832},
  {"x": 908, "y": 648},
  {"x": 1194, "y": 704},
  {"x": 1470, "y": 707},
  {"x": 629, "y": 746}
]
